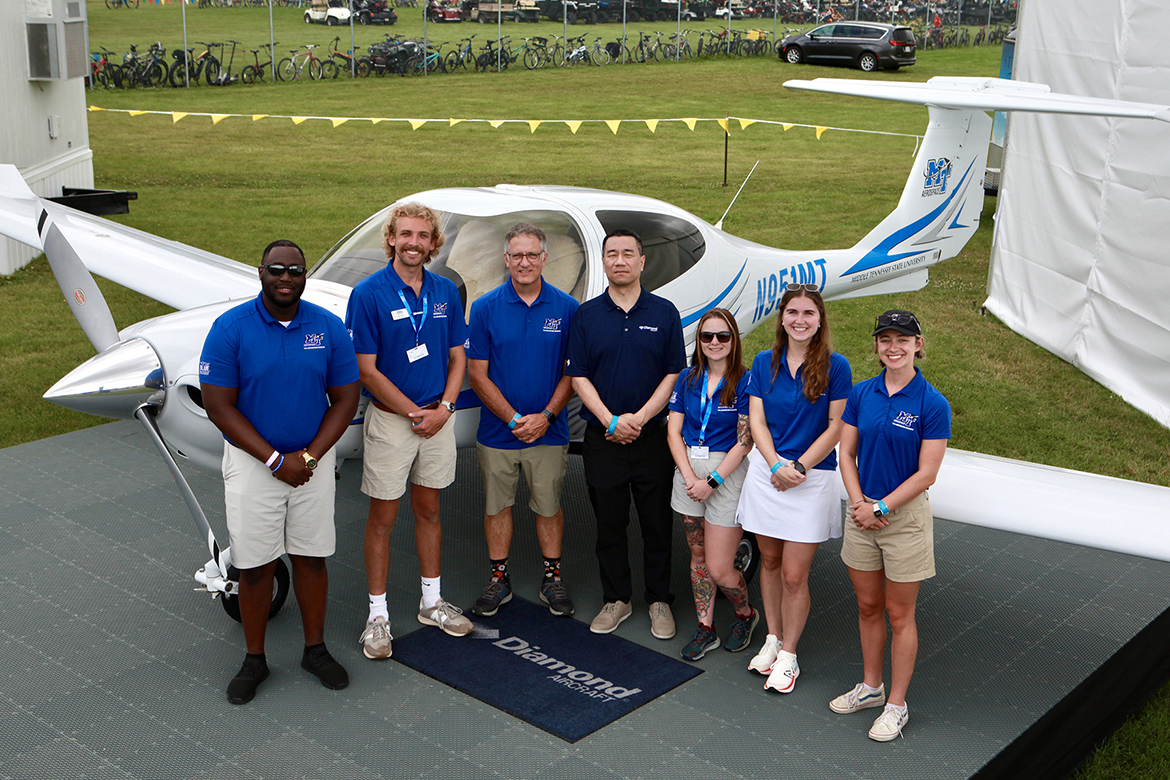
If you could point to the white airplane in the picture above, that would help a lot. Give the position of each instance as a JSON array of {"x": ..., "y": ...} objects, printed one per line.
[{"x": 149, "y": 370}]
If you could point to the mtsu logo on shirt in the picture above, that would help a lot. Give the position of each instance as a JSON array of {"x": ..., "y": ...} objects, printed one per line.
[
  {"x": 314, "y": 341},
  {"x": 552, "y": 325},
  {"x": 440, "y": 310},
  {"x": 905, "y": 420},
  {"x": 204, "y": 368}
]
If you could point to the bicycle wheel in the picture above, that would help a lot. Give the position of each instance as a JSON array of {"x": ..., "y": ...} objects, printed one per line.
[
  {"x": 329, "y": 69},
  {"x": 154, "y": 75},
  {"x": 363, "y": 68},
  {"x": 599, "y": 56},
  {"x": 315, "y": 69},
  {"x": 558, "y": 56},
  {"x": 177, "y": 76},
  {"x": 248, "y": 74},
  {"x": 211, "y": 70},
  {"x": 117, "y": 75},
  {"x": 286, "y": 71},
  {"x": 532, "y": 59}
]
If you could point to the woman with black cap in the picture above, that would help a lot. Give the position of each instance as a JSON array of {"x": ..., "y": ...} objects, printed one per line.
[{"x": 896, "y": 427}]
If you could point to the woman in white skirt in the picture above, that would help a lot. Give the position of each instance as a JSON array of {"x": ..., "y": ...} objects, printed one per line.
[
  {"x": 791, "y": 496},
  {"x": 709, "y": 439}
]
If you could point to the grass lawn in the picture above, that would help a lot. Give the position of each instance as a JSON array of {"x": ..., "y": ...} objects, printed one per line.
[{"x": 232, "y": 187}]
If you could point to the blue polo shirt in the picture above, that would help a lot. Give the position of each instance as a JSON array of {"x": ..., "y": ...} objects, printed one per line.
[
  {"x": 281, "y": 372},
  {"x": 377, "y": 330},
  {"x": 525, "y": 347},
  {"x": 794, "y": 422},
  {"x": 891, "y": 429},
  {"x": 626, "y": 355},
  {"x": 724, "y": 421}
]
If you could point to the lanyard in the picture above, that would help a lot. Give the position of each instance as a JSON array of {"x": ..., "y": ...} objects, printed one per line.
[
  {"x": 706, "y": 405},
  {"x": 410, "y": 313}
]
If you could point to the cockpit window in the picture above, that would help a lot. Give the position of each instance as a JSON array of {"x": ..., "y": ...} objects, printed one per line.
[
  {"x": 672, "y": 245},
  {"x": 473, "y": 255}
]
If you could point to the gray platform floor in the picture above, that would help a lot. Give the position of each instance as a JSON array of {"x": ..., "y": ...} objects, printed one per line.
[{"x": 112, "y": 667}]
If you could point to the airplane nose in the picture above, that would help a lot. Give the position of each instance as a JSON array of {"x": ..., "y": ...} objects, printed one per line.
[{"x": 113, "y": 383}]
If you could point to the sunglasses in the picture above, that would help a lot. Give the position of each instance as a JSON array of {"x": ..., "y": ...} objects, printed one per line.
[
  {"x": 796, "y": 287},
  {"x": 724, "y": 336},
  {"x": 280, "y": 270},
  {"x": 886, "y": 320}
]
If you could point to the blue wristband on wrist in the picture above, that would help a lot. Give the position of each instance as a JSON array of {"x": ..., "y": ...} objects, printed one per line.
[
  {"x": 612, "y": 425},
  {"x": 715, "y": 476},
  {"x": 882, "y": 506},
  {"x": 779, "y": 465},
  {"x": 515, "y": 419},
  {"x": 279, "y": 463}
]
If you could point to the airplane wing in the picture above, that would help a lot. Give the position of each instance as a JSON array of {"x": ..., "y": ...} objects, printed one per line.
[
  {"x": 987, "y": 94},
  {"x": 167, "y": 271}
]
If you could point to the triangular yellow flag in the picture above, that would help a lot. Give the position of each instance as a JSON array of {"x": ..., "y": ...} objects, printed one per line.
[
  {"x": 787, "y": 127},
  {"x": 298, "y": 119},
  {"x": 140, "y": 113},
  {"x": 574, "y": 125},
  {"x": 690, "y": 123},
  {"x": 415, "y": 124},
  {"x": 820, "y": 131},
  {"x": 338, "y": 122},
  {"x": 746, "y": 123},
  {"x": 723, "y": 124},
  {"x": 177, "y": 115},
  {"x": 258, "y": 117},
  {"x": 652, "y": 124},
  {"x": 95, "y": 108},
  {"x": 456, "y": 121},
  {"x": 217, "y": 118},
  {"x": 376, "y": 121},
  {"x": 496, "y": 122},
  {"x": 613, "y": 124},
  {"x": 533, "y": 124}
]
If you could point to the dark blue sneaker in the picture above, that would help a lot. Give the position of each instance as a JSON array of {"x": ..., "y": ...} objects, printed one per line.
[
  {"x": 496, "y": 593},
  {"x": 741, "y": 632},
  {"x": 554, "y": 594},
  {"x": 704, "y": 639}
]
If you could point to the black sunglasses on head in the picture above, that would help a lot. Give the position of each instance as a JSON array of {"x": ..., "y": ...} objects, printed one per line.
[
  {"x": 724, "y": 336},
  {"x": 886, "y": 320},
  {"x": 280, "y": 270}
]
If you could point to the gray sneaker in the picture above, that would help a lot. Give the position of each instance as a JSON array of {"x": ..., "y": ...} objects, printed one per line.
[
  {"x": 610, "y": 617},
  {"x": 376, "y": 639},
  {"x": 661, "y": 620},
  {"x": 554, "y": 594},
  {"x": 445, "y": 616},
  {"x": 496, "y": 593}
]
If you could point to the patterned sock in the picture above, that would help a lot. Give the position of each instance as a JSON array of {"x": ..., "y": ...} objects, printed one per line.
[
  {"x": 500, "y": 569},
  {"x": 378, "y": 607},
  {"x": 430, "y": 592},
  {"x": 552, "y": 569}
]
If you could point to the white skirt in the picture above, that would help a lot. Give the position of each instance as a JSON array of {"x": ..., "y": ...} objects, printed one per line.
[{"x": 810, "y": 513}]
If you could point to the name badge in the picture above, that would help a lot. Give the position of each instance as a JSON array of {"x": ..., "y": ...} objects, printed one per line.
[
  {"x": 399, "y": 314},
  {"x": 418, "y": 353},
  {"x": 700, "y": 453}
]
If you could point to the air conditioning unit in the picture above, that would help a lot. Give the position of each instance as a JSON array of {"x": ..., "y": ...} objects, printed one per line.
[{"x": 57, "y": 36}]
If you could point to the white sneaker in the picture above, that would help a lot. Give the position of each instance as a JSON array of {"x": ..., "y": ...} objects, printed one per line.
[
  {"x": 764, "y": 659},
  {"x": 784, "y": 673},
  {"x": 889, "y": 724},
  {"x": 445, "y": 616},
  {"x": 858, "y": 699},
  {"x": 376, "y": 639}
]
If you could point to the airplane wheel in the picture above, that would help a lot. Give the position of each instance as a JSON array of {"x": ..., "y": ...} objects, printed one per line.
[
  {"x": 280, "y": 582},
  {"x": 747, "y": 556}
]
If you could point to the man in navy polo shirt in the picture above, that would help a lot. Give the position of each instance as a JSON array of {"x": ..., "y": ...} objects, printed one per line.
[
  {"x": 625, "y": 353},
  {"x": 516, "y": 358},
  {"x": 408, "y": 330},
  {"x": 279, "y": 380}
]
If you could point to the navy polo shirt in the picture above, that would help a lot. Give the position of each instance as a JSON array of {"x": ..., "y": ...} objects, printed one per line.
[
  {"x": 794, "y": 422},
  {"x": 281, "y": 372},
  {"x": 724, "y": 422},
  {"x": 377, "y": 330},
  {"x": 525, "y": 347},
  {"x": 891, "y": 429},
  {"x": 625, "y": 355}
]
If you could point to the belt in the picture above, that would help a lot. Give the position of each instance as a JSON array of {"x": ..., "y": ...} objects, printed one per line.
[{"x": 388, "y": 410}]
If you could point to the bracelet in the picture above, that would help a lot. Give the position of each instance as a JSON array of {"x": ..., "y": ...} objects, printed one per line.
[
  {"x": 778, "y": 466},
  {"x": 515, "y": 419},
  {"x": 882, "y": 506},
  {"x": 272, "y": 458},
  {"x": 715, "y": 476},
  {"x": 279, "y": 463},
  {"x": 612, "y": 426}
]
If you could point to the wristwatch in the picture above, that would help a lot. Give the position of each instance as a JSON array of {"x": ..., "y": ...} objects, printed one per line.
[
  {"x": 712, "y": 483},
  {"x": 450, "y": 407},
  {"x": 796, "y": 464},
  {"x": 552, "y": 418},
  {"x": 310, "y": 461}
]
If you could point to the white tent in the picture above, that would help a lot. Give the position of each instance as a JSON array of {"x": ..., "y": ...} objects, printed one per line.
[{"x": 1081, "y": 258}]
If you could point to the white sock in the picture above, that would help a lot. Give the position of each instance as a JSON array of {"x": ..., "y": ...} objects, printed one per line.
[
  {"x": 901, "y": 709},
  {"x": 378, "y": 607},
  {"x": 867, "y": 689},
  {"x": 430, "y": 592}
]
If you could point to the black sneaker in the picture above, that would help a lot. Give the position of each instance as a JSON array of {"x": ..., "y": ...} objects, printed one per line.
[
  {"x": 741, "y": 632},
  {"x": 554, "y": 594},
  {"x": 242, "y": 688},
  {"x": 496, "y": 593},
  {"x": 704, "y": 639},
  {"x": 318, "y": 661}
]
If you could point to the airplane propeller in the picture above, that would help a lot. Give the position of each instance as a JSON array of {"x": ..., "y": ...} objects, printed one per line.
[{"x": 81, "y": 292}]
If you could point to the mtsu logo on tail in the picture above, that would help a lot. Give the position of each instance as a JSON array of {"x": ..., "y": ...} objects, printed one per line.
[{"x": 936, "y": 173}]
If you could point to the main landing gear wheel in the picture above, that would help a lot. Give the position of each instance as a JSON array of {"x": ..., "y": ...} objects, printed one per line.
[
  {"x": 747, "y": 556},
  {"x": 280, "y": 581}
]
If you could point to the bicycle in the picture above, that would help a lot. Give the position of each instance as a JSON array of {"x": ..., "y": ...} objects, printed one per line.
[
  {"x": 122, "y": 3},
  {"x": 461, "y": 57},
  {"x": 253, "y": 73},
  {"x": 290, "y": 68},
  {"x": 580, "y": 54},
  {"x": 346, "y": 63},
  {"x": 432, "y": 62},
  {"x": 490, "y": 57},
  {"x": 145, "y": 70},
  {"x": 102, "y": 71},
  {"x": 537, "y": 53},
  {"x": 187, "y": 70}
]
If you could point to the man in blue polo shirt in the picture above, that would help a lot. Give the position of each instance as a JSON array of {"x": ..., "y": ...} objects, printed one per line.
[
  {"x": 516, "y": 358},
  {"x": 408, "y": 330},
  {"x": 625, "y": 353},
  {"x": 279, "y": 380}
]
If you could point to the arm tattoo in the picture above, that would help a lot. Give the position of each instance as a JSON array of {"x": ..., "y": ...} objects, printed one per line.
[{"x": 743, "y": 432}]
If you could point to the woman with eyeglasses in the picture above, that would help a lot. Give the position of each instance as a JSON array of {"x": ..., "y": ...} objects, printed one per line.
[
  {"x": 791, "y": 497},
  {"x": 709, "y": 438},
  {"x": 896, "y": 427}
]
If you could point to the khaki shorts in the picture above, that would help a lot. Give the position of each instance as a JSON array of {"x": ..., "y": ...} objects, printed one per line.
[
  {"x": 720, "y": 507},
  {"x": 267, "y": 517},
  {"x": 544, "y": 472},
  {"x": 904, "y": 548},
  {"x": 395, "y": 454}
]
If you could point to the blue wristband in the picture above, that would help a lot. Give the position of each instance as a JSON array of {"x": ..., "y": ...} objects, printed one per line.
[
  {"x": 779, "y": 465},
  {"x": 715, "y": 476},
  {"x": 612, "y": 425},
  {"x": 882, "y": 506},
  {"x": 279, "y": 463},
  {"x": 513, "y": 421}
]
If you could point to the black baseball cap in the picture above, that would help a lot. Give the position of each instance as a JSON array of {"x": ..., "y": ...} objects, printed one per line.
[{"x": 898, "y": 320}]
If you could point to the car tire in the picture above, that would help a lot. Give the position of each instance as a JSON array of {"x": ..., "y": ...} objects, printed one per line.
[
  {"x": 793, "y": 55},
  {"x": 868, "y": 61},
  {"x": 308, "y": 19}
]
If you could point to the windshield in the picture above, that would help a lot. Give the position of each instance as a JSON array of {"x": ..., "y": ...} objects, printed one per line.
[{"x": 473, "y": 255}]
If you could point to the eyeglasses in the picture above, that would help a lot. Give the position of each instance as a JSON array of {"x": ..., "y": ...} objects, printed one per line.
[
  {"x": 724, "y": 336},
  {"x": 531, "y": 257},
  {"x": 898, "y": 318},
  {"x": 279, "y": 270},
  {"x": 796, "y": 287}
]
